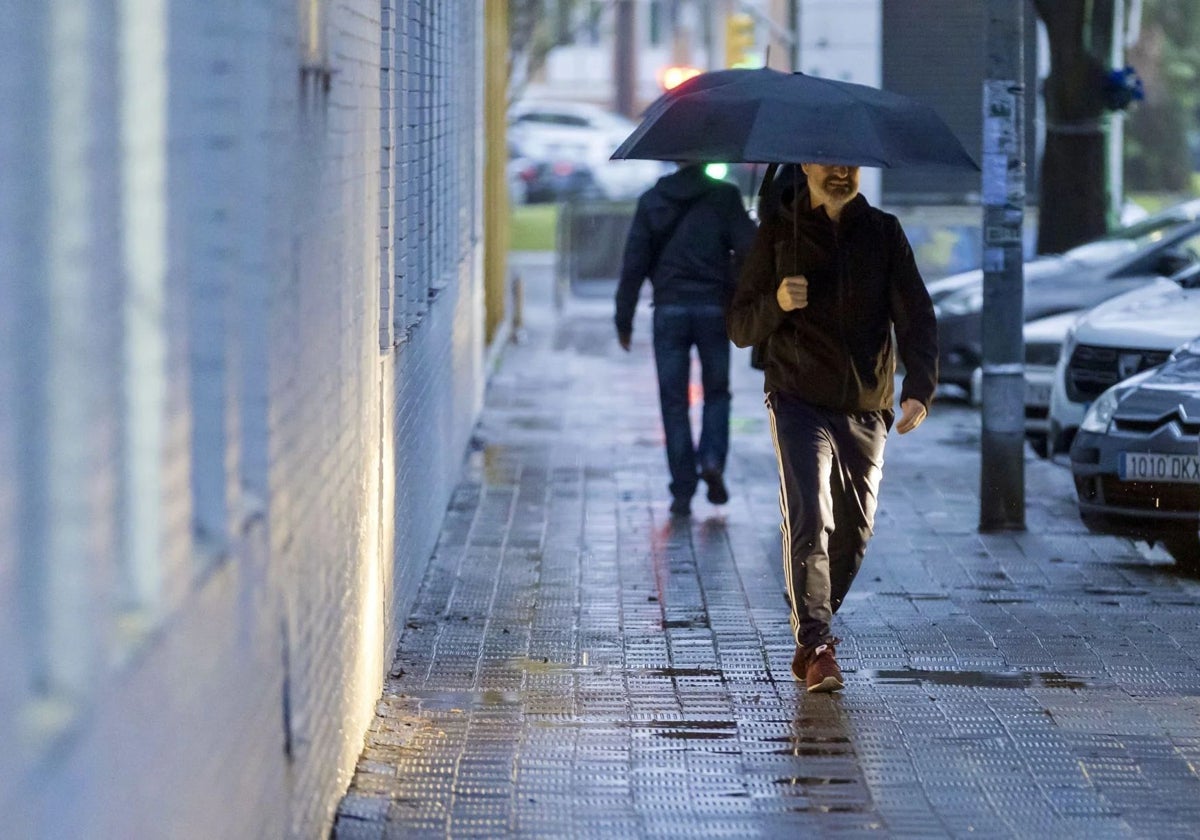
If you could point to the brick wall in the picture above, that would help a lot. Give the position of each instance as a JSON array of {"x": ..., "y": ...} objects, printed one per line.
[{"x": 241, "y": 353}]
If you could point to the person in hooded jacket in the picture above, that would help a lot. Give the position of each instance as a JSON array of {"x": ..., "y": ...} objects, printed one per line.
[
  {"x": 689, "y": 235},
  {"x": 827, "y": 284}
]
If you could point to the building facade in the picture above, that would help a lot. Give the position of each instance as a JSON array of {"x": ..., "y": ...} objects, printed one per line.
[{"x": 242, "y": 348}]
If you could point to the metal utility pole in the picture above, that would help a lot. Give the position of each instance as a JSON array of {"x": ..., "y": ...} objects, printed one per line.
[
  {"x": 625, "y": 60},
  {"x": 1002, "y": 446},
  {"x": 1116, "y": 122}
]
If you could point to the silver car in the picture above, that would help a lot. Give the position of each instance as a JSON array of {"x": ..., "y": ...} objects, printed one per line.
[
  {"x": 1136, "y": 458},
  {"x": 1043, "y": 343}
]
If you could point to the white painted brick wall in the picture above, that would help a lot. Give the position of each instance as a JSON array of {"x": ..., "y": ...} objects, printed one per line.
[{"x": 216, "y": 353}]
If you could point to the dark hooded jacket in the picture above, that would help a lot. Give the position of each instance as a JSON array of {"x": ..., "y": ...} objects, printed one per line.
[
  {"x": 863, "y": 283},
  {"x": 700, "y": 262}
]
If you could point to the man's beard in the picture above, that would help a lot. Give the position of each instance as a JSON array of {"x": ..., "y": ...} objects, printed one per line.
[{"x": 838, "y": 188}]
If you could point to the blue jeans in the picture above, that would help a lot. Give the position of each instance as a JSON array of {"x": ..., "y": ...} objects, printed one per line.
[{"x": 677, "y": 328}]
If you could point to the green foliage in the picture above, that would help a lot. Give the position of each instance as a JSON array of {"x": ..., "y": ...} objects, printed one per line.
[
  {"x": 1157, "y": 156},
  {"x": 533, "y": 227},
  {"x": 1156, "y": 153}
]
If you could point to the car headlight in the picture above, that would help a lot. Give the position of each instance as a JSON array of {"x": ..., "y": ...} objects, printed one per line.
[
  {"x": 1100, "y": 415},
  {"x": 966, "y": 302}
]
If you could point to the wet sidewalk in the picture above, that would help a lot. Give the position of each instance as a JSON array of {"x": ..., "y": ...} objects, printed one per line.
[{"x": 577, "y": 665}]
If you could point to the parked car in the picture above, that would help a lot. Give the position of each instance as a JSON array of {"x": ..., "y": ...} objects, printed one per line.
[
  {"x": 539, "y": 181},
  {"x": 1136, "y": 458},
  {"x": 1130, "y": 333},
  {"x": 1043, "y": 342},
  {"x": 586, "y": 134},
  {"x": 1079, "y": 279}
]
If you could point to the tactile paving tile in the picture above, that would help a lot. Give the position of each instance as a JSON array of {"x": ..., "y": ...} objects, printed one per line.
[{"x": 577, "y": 665}]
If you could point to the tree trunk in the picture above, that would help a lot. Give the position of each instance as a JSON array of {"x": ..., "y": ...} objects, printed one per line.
[
  {"x": 1074, "y": 200},
  {"x": 1074, "y": 188}
]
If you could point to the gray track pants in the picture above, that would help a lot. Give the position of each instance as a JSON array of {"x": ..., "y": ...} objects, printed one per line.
[{"x": 830, "y": 464}]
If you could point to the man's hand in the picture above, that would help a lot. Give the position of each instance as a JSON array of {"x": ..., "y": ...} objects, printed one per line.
[
  {"x": 792, "y": 293},
  {"x": 912, "y": 414},
  {"x": 625, "y": 339}
]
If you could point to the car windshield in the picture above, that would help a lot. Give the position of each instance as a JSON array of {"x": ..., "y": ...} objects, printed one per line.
[{"x": 1126, "y": 240}]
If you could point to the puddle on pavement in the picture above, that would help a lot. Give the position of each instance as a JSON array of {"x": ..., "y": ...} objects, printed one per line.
[
  {"x": 686, "y": 730},
  {"x": 977, "y": 679},
  {"x": 677, "y": 672},
  {"x": 686, "y": 624},
  {"x": 828, "y": 809},
  {"x": 548, "y": 666},
  {"x": 814, "y": 752},
  {"x": 458, "y": 701},
  {"x": 1115, "y": 593},
  {"x": 812, "y": 746},
  {"x": 806, "y": 739},
  {"x": 690, "y": 735},
  {"x": 916, "y": 596},
  {"x": 676, "y": 724}
]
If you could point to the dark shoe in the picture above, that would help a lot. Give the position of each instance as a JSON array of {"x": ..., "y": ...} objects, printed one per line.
[
  {"x": 681, "y": 506},
  {"x": 821, "y": 672},
  {"x": 717, "y": 494}
]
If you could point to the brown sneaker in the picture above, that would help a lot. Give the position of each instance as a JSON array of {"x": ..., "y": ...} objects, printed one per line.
[
  {"x": 799, "y": 663},
  {"x": 821, "y": 672}
]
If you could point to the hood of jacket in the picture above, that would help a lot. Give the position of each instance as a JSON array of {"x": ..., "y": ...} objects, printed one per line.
[{"x": 685, "y": 183}]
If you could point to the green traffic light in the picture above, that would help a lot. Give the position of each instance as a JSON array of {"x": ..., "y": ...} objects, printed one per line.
[{"x": 717, "y": 171}]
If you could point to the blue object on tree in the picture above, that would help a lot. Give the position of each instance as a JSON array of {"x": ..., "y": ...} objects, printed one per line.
[{"x": 1122, "y": 87}]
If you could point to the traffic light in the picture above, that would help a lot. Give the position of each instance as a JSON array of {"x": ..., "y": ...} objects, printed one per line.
[
  {"x": 672, "y": 77},
  {"x": 739, "y": 39}
]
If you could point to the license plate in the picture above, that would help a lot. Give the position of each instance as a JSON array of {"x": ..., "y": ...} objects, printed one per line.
[
  {"x": 1148, "y": 466},
  {"x": 1037, "y": 393}
]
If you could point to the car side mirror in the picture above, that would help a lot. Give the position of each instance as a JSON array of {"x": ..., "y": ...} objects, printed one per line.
[{"x": 1172, "y": 261}]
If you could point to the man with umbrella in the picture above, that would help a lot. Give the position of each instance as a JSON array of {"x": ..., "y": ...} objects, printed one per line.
[
  {"x": 827, "y": 283},
  {"x": 689, "y": 235}
]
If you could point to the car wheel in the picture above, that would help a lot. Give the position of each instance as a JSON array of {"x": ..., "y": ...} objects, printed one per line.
[
  {"x": 1040, "y": 445},
  {"x": 1185, "y": 548}
]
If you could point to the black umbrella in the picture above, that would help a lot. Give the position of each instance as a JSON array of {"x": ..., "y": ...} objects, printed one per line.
[
  {"x": 765, "y": 116},
  {"x": 702, "y": 81}
]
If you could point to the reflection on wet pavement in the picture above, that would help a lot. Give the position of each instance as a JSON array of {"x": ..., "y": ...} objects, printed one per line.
[
  {"x": 977, "y": 679},
  {"x": 578, "y": 664}
]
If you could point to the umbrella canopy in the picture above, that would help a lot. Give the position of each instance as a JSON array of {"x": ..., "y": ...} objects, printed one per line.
[
  {"x": 703, "y": 81},
  {"x": 765, "y": 116}
]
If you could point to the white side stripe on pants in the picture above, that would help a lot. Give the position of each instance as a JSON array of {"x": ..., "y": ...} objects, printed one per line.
[{"x": 786, "y": 525}]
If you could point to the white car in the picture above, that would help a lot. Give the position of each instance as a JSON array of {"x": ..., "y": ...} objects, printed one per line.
[
  {"x": 1043, "y": 343},
  {"x": 584, "y": 133},
  {"x": 1124, "y": 335}
]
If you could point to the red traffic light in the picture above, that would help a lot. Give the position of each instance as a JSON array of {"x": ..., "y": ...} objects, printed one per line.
[{"x": 676, "y": 75}]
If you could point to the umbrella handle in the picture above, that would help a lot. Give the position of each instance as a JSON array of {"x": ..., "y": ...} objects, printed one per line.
[
  {"x": 768, "y": 179},
  {"x": 795, "y": 225}
]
